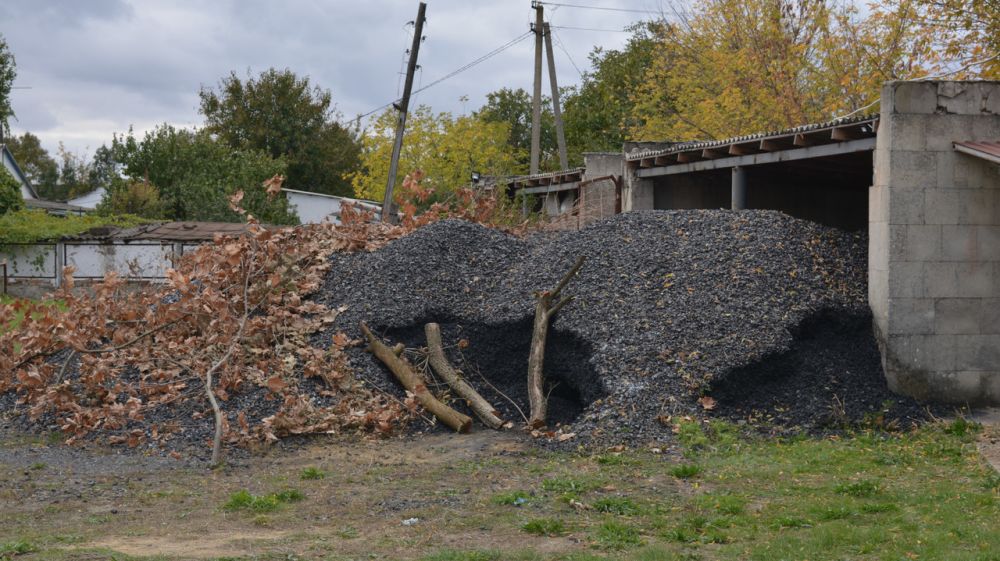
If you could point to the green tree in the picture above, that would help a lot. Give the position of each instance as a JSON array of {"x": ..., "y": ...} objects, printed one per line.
[
  {"x": 284, "y": 116},
  {"x": 600, "y": 115},
  {"x": 195, "y": 173},
  {"x": 8, "y": 71},
  {"x": 137, "y": 198},
  {"x": 513, "y": 107},
  {"x": 10, "y": 192},
  {"x": 446, "y": 148},
  {"x": 36, "y": 163}
]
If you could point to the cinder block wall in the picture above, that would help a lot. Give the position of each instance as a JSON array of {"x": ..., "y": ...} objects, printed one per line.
[{"x": 934, "y": 254}]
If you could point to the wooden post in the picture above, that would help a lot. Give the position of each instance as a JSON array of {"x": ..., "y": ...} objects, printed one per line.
[
  {"x": 388, "y": 211},
  {"x": 556, "y": 111}
]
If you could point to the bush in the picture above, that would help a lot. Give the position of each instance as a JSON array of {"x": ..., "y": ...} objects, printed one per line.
[
  {"x": 10, "y": 193},
  {"x": 139, "y": 198}
]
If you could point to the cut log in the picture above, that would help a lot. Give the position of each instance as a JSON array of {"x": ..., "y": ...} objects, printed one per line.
[
  {"x": 415, "y": 383},
  {"x": 546, "y": 306},
  {"x": 435, "y": 356}
]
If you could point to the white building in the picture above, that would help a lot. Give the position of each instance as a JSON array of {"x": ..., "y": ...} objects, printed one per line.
[{"x": 313, "y": 208}]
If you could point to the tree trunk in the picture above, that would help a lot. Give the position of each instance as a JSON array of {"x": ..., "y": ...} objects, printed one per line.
[
  {"x": 544, "y": 310},
  {"x": 416, "y": 384},
  {"x": 435, "y": 355}
]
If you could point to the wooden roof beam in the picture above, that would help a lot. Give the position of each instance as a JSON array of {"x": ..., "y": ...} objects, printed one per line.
[
  {"x": 744, "y": 149},
  {"x": 684, "y": 157},
  {"x": 712, "y": 153}
]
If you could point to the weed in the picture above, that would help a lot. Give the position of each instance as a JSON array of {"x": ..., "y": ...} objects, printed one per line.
[
  {"x": 685, "y": 471},
  {"x": 513, "y": 498},
  {"x": 569, "y": 485},
  {"x": 833, "y": 513},
  {"x": 614, "y": 460},
  {"x": 615, "y": 535},
  {"x": 860, "y": 489},
  {"x": 992, "y": 481},
  {"x": 545, "y": 527},
  {"x": 37, "y": 466},
  {"x": 691, "y": 435},
  {"x": 724, "y": 504},
  {"x": 616, "y": 505},
  {"x": 962, "y": 428},
  {"x": 244, "y": 500},
  {"x": 878, "y": 508},
  {"x": 261, "y": 520},
  {"x": 311, "y": 473},
  {"x": 19, "y": 547}
]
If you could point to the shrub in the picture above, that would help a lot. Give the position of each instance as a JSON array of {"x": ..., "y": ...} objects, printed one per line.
[{"x": 10, "y": 193}]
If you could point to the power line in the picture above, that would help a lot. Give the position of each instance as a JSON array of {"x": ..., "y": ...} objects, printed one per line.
[
  {"x": 604, "y": 8},
  {"x": 587, "y": 29},
  {"x": 459, "y": 70},
  {"x": 563, "y": 48}
]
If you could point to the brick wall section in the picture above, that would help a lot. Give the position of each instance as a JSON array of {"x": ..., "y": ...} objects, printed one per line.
[{"x": 934, "y": 254}]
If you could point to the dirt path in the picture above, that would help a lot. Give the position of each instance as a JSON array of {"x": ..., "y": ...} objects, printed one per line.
[{"x": 98, "y": 500}]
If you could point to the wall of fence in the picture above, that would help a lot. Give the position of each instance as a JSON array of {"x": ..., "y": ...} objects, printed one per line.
[{"x": 31, "y": 267}]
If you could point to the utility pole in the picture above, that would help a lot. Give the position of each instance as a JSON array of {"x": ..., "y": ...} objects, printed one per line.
[
  {"x": 536, "y": 100},
  {"x": 388, "y": 210},
  {"x": 556, "y": 112}
]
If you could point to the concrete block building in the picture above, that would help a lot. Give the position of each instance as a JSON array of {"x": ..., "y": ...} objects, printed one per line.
[{"x": 923, "y": 177}]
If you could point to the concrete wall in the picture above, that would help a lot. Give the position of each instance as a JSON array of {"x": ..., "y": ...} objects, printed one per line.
[
  {"x": 598, "y": 199},
  {"x": 934, "y": 254}
]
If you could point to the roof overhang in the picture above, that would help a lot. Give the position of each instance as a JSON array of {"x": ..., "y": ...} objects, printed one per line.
[
  {"x": 989, "y": 151},
  {"x": 844, "y": 136}
]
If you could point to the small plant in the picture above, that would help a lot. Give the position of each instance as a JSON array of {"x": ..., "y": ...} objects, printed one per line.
[
  {"x": 728, "y": 504},
  {"x": 244, "y": 500},
  {"x": 878, "y": 508},
  {"x": 614, "y": 535},
  {"x": 19, "y": 547},
  {"x": 860, "y": 489},
  {"x": 513, "y": 498},
  {"x": 545, "y": 527},
  {"x": 616, "y": 505},
  {"x": 37, "y": 466},
  {"x": 614, "y": 460},
  {"x": 567, "y": 485},
  {"x": 474, "y": 555},
  {"x": 834, "y": 513},
  {"x": 962, "y": 428},
  {"x": 312, "y": 473},
  {"x": 685, "y": 471}
]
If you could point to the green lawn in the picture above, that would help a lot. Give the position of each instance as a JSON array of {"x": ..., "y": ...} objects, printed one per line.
[{"x": 869, "y": 496}]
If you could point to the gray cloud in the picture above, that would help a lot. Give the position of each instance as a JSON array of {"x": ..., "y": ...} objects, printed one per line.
[{"x": 96, "y": 67}]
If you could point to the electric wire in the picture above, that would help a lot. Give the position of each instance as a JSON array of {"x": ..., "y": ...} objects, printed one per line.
[
  {"x": 587, "y": 29},
  {"x": 564, "y": 50},
  {"x": 604, "y": 8},
  {"x": 458, "y": 70}
]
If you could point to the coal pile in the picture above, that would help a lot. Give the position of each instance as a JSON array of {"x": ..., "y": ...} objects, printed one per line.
[{"x": 669, "y": 306}]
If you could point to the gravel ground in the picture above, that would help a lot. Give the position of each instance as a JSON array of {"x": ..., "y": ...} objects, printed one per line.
[{"x": 669, "y": 306}]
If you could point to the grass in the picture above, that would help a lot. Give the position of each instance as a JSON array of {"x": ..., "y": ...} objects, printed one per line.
[
  {"x": 622, "y": 506},
  {"x": 685, "y": 471},
  {"x": 312, "y": 473},
  {"x": 244, "y": 500},
  {"x": 544, "y": 527},
  {"x": 925, "y": 494}
]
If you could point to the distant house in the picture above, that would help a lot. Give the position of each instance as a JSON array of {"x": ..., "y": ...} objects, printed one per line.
[
  {"x": 31, "y": 198},
  {"x": 27, "y": 191},
  {"x": 313, "y": 208},
  {"x": 88, "y": 200}
]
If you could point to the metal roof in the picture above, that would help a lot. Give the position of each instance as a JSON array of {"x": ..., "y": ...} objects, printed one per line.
[
  {"x": 988, "y": 150},
  {"x": 164, "y": 231},
  {"x": 547, "y": 178},
  {"x": 818, "y": 133}
]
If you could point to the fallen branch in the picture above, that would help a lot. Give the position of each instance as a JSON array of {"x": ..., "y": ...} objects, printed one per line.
[
  {"x": 435, "y": 355},
  {"x": 415, "y": 384},
  {"x": 546, "y": 306}
]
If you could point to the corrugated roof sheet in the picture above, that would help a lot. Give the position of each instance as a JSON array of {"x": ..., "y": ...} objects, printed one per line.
[
  {"x": 708, "y": 144},
  {"x": 988, "y": 150},
  {"x": 163, "y": 231}
]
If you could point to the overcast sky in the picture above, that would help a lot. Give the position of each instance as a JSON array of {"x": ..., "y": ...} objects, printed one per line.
[{"x": 90, "y": 68}]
